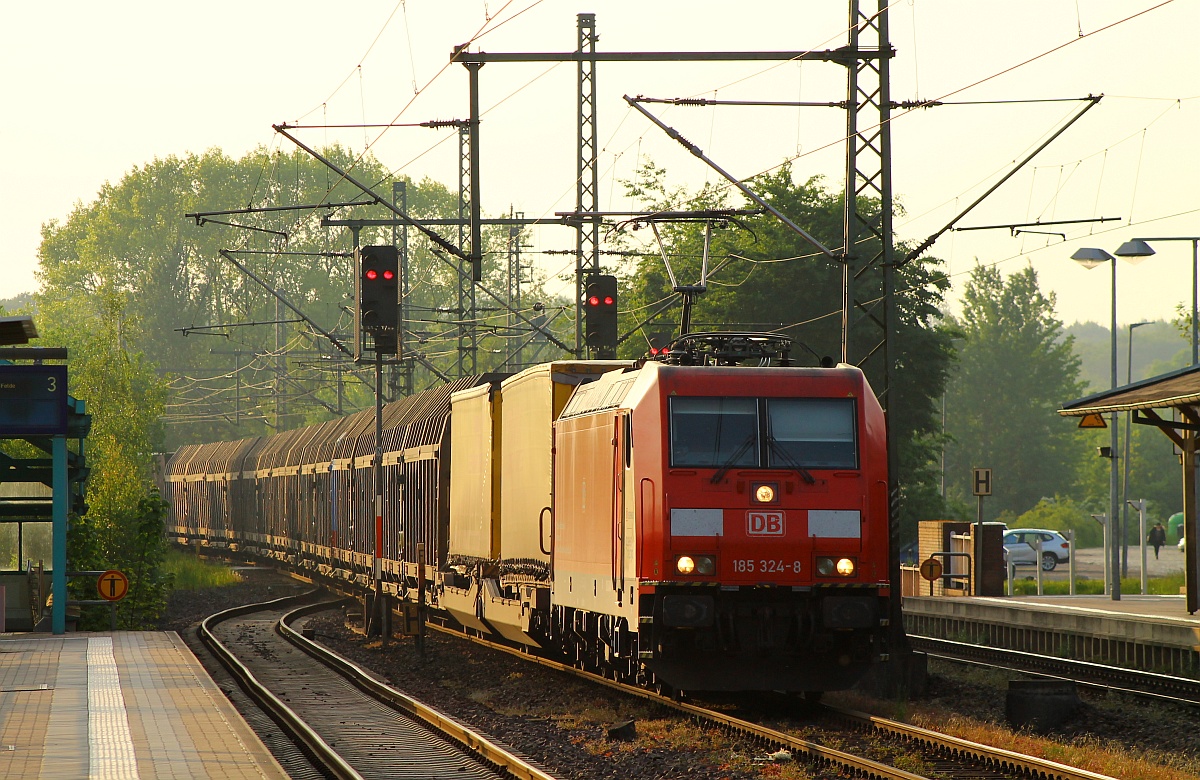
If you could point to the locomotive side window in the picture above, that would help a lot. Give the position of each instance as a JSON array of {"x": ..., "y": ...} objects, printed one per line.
[
  {"x": 714, "y": 432},
  {"x": 811, "y": 433}
]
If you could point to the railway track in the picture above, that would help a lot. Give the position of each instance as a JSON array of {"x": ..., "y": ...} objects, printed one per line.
[
  {"x": 943, "y": 756},
  {"x": 1161, "y": 687},
  {"x": 346, "y": 721},
  {"x": 947, "y": 757}
]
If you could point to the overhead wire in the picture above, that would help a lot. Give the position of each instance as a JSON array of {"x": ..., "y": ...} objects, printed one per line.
[{"x": 617, "y": 157}]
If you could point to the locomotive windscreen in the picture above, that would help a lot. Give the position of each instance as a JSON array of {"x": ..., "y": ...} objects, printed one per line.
[
  {"x": 714, "y": 432},
  {"x": 815, "y": 433},
  {"x": 784, "y": 433}
]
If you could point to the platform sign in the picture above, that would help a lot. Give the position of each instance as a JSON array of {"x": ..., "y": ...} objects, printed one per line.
[
  {"x": 33, "y": 401},
  {"x": 112, "y": 585}
]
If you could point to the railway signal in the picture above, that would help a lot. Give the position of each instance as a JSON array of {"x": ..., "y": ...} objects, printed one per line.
[
  {"x": 658, "y": 337},
  {"x": 377, "y": 298},
  {"x": 600, "y": 315}
]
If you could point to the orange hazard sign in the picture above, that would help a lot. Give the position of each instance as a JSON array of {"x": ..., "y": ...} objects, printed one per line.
[{"x": 112, "y": 585}]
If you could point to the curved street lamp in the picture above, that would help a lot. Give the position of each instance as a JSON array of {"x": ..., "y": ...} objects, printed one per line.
[
  {"x": 1137, "y": 250},
  {"x": 1128, "y": 440},
  {"x": 1090, "y": 257}
]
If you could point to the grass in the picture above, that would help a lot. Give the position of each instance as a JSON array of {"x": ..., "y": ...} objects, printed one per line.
[
  {"x": 1085, "y": 751},
  {"x": 1168, "y": 585},
  {"x": 191, "y": 573}
]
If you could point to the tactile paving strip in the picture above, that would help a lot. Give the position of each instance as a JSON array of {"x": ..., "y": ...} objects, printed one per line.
[{"x": 111, "y": 755}]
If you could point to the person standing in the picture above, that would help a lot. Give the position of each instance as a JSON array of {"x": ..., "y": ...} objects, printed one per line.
[{"x": 1157, "y": 538}]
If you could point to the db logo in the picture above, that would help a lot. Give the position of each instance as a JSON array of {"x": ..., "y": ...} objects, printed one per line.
[{"x": 764, "y": 523}]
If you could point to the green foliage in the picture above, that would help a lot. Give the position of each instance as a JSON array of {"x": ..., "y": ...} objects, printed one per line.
[
  {"x": 140, "y": 550},
  {"x": 1169, "y": 585},
  {"x": 1061, "y": 514},
  {"x": 131, "y": 256},
  {"x": 135, "y": 291},
  {"x": 1015, "y": 370},
  {"x": 771, "y": 279}
]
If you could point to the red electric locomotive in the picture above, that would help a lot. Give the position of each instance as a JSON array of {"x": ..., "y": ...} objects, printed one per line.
[
  {"x": 723, "y": 528},
  {"x": 688, "y": 523}
]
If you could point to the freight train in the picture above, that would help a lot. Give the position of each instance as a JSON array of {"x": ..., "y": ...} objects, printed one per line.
[{"x": 691, "y": 527}]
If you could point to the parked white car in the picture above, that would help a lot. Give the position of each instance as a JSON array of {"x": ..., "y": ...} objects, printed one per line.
[{"x": 1020, "y": 544}]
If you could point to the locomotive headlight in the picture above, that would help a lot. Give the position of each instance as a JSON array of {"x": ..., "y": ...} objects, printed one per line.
[
  {"x": 830, "y": 567},
  {"x": 765, "y": 493},
  {"x": 700, "y": 564}
]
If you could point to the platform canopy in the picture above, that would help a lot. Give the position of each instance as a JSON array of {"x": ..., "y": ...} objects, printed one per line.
[
  {"x": 1171, "y": 403},
  {"x": 17, "y": 330}
]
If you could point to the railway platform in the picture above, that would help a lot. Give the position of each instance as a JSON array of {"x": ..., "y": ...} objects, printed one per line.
[
  {"x": 129, "y": 705},
  {"x": 1154, "y": 633}
]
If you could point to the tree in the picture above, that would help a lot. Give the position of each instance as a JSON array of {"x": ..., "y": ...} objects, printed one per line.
[
  {"x": 1062, "y": 514},
  {"x": 177, "y": 291},
  {"x": 771, "y": 279},
  {"x": 131, "y": 287},
  {"x": 1015, "y": 370}
]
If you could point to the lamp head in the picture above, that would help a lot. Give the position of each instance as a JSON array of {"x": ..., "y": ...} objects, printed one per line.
[
  {"x": 1135, "y": 251},
  {"x": 1090, "y": 257}
]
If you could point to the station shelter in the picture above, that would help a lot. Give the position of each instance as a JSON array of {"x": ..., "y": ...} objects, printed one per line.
[
  {"x": 42, "y": 473},
  {"x": 1171, "y": 403}
]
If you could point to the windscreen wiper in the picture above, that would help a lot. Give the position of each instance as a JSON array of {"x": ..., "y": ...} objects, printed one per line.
[
  {"x": 788, "y": 460},
  {"x": 732, "y": 459}
]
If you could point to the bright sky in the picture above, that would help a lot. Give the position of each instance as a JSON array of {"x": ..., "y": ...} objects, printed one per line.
[{"x": 94, "y": 89}]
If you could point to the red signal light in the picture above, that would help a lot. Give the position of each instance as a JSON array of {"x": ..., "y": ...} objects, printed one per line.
[
  {"x": 608, "y": 301},
  {"x": 594, "y": 301},
  {"x": 388, "y": 275},
  {"x": 371, "y": 274}
]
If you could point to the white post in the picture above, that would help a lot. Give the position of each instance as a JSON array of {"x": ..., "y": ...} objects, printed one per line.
[
  {"x": 1103, "y": 521},
  {"x": 1037, "y": 549},
  {"x": 1071, "y": 559},
  {"x": 1140, "y": 506}
]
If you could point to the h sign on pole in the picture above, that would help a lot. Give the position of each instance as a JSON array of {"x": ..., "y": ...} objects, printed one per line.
[{"x": 981, "y": 486}]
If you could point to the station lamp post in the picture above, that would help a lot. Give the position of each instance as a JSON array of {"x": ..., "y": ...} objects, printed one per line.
[
  {"x": 1128, "y": 439},
  {"x": 1090, "y": 258},
  {"x": 1140, "y": 248}
]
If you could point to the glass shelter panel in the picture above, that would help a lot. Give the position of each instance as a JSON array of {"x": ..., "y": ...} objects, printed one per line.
[
  {"x": 37, "y": 543},
  {"x": 10, "y": 554}
]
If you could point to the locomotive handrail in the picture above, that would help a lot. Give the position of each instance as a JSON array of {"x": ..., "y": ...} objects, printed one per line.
[{"x": 542, "y": 530}]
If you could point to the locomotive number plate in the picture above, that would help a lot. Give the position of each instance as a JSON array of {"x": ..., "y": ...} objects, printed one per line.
[{"x": 764, "y": 566}]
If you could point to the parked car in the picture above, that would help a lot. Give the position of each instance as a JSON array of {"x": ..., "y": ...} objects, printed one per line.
[{"x": 1020, "y": 544}]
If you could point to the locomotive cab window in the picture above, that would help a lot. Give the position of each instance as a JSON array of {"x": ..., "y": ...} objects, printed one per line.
[
  {"x": 714, "y": 432},
  {"x": 814, "y": 433},
  {"x": 780, "y": 433}
]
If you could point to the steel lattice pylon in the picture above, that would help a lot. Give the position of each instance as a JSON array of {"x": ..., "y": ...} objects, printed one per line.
[
  {"x": 867, "y": 276},
  {"x": 465, "y": 308},
  {"x": 587, "y": 241},
  {"x": 868, "y": 273}
]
